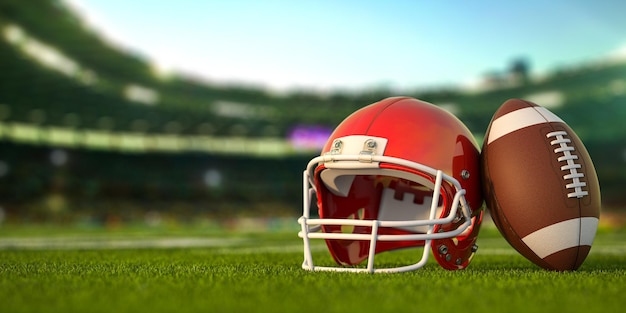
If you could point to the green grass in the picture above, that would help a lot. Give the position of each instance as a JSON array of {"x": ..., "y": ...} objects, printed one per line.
[{"x": 261, "y": 272}]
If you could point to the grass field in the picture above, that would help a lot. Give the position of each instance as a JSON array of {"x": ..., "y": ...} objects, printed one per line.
[{"x": 176, "y": 270}]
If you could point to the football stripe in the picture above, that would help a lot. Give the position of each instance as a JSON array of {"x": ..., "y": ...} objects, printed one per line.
[
  {"x": 563, "y": 235},
  {"x": 550, "y": 117},
  {"x": 519, "y": 119}
]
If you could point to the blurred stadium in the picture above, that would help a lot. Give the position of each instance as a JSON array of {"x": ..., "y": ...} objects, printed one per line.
[{"x": 89, "y": 134}]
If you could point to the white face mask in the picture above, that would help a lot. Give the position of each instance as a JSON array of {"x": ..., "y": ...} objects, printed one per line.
[{"x": 419, "y": 221}]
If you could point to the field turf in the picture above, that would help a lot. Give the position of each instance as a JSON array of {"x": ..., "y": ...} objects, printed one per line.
[{"x": 138, "y": 270}]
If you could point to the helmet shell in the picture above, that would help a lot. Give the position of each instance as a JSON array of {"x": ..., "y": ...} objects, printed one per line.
[{"x": 416, "y": 131}]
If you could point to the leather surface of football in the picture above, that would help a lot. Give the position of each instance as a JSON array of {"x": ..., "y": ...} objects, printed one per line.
[{"x": 540, "y": 185}]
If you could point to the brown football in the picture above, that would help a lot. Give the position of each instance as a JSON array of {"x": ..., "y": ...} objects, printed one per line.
[{"x": 540, "y": 185}]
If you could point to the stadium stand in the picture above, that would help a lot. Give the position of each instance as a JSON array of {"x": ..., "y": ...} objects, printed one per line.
[{"x": 88, "y": 131}]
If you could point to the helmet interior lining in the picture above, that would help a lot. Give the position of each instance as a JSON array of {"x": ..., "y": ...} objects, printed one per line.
[{"x": 394, "y": 205}]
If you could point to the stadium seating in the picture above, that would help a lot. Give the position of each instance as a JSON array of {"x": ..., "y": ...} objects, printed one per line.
[{"x": 125, "y": 155}]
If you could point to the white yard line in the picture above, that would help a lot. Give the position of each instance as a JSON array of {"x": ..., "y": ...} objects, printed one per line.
[
  {"x": 69, "y": 243},
  {"x": 224, "y": 245}
]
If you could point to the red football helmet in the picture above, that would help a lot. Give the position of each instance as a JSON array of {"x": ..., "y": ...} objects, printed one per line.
[{"x": 398, "y": 173}]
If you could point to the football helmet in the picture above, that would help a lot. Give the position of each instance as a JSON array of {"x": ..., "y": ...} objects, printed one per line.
[{"x": 398, "y": 173}]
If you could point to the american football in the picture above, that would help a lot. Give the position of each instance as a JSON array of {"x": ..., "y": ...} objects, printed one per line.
[
  {"x": 540, "y": 185},
  {"x": 312, "y": 156}
]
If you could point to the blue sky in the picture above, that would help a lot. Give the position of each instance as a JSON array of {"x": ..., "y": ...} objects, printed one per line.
[{"x": 323, "y": 44}]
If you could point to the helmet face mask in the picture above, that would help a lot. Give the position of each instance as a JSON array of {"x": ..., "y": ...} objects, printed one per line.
[{"x": 371, "y": 200}]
